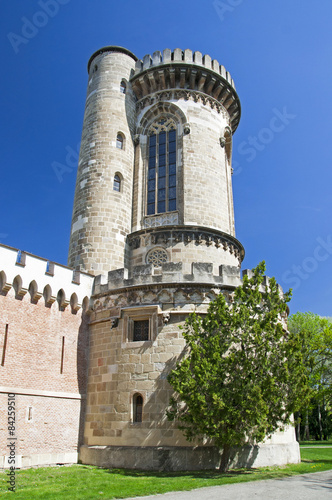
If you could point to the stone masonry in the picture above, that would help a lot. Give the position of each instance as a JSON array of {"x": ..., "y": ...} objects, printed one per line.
[{"x": 86, "y": 349}]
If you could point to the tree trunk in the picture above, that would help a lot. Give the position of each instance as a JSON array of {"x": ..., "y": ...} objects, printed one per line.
[
  {"x": 224, "y": 461},
  {"x": 306, "y": 427},
  {"x": 297, "y": 416},
  {"x": 320, "y": 423}
]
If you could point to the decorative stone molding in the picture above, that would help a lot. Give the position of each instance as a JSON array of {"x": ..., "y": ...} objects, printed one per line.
[
  {"x": 186, "y": 235},
  {"x": 187, "y": 95},
  {"x": 166, "y": 219},
  {"x": 179, "y": 56},
  {"x": 35, "y": 297},
  {"x": 21, "y": 293},
  {"x": 174, "y": 77},
  {"x": 166, "y": 317},
  {"x": 222, "y": 141},
  {"x": 157, "y": 256},
  {"x": 114, "y": 322},
  {"x": 186, "y": 129},
  {"x": 5, "y": 287}
]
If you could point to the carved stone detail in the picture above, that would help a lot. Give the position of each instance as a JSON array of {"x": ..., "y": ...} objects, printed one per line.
[
  {"x": 194, "y": 95},
  {"x": 114, "y": 322},
  {"x": 166, "y": 317},
  {"x": 169, "y": 237},
  {"x": 166, "y": 219}
]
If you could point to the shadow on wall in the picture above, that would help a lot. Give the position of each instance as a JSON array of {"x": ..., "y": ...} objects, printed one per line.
[{"x": 82, "y": 366}]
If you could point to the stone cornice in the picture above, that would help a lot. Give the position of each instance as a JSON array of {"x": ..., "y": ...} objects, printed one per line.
[
  {"x": 187, "y": 234},
  {"x": 188, "y": 81},
  {"x": 193, "y": 95}
]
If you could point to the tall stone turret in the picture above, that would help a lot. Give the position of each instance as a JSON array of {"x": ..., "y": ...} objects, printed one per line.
[
  {"x": 154, "y": 219},
  {"x": 103, "y": 197}
]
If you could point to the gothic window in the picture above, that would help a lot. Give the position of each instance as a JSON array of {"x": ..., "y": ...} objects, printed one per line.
[
  {"x": 119, "y": 141},
  {"x": 141, "y": 330},
  {"x": 117, "y": 183},
  {"x": 137, "y": 408},
  {"x": 161, "y": 182}
]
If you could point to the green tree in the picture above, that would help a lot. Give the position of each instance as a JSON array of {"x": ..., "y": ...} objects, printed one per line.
[
  {"x": 242, "y": 376},
  {"x": 316, "y": 334}
]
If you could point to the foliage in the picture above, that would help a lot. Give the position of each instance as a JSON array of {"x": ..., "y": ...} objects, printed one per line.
[
  {"x": 316, "y": 334},
  {"x": 242, "y": 377}
]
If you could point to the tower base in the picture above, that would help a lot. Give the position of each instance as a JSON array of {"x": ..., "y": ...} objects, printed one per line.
[{"x": 179, "y": 458}]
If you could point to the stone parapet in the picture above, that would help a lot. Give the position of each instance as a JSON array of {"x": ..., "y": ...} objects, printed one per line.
[
  {"x": 26, "y": 272},
  {"x": 198, "y": 75},
  {"x": 169, "y": 273},
  {"x": 179, "y": 56}
]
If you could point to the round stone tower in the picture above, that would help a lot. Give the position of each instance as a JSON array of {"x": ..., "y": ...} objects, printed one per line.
[
  {"x": 187, "y": 111},
  {"x": 103, "y": 197}
]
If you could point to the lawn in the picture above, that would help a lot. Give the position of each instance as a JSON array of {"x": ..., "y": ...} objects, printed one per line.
[{"x": 82, "y": 482}]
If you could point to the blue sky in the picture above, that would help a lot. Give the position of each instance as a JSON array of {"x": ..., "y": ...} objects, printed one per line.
[{"x": 279, "y": 54}]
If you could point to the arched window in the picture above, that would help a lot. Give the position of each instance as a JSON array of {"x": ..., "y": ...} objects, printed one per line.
[
  {"x": 123, "y": 87},
  {"x": 117, "y": 183},
  {"x": 137, "y": 408},
  {"x": 161, "y": 184},
  {"x": 119, "y": 141}
]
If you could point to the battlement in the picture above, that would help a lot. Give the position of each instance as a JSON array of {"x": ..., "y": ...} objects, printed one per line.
[
  {"x": 186, "y": 56},
  {"x": 26, "y": 273},
  {"x": 183, "y": 74},
  {"x": 169, "y": 273}
]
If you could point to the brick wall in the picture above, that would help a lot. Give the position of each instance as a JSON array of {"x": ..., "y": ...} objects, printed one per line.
[{"x": 34, "y": 356}]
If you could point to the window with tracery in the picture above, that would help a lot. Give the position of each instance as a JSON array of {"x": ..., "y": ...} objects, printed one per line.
[
  {"x": 157, "y": 257},
  {"x": 141, "y": 330},
  {"x": 161, "y": 183}
]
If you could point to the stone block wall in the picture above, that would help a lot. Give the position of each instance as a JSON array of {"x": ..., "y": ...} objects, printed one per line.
[{"x": 101, "y": 215}]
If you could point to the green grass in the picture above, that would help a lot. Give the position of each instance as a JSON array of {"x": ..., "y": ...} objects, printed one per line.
[
  {"x": 82, "y": 482},
  {"x": 316, "y": 443}
]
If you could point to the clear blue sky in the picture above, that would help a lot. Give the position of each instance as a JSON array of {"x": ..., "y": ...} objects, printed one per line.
[{"x": 279, "y": 54}]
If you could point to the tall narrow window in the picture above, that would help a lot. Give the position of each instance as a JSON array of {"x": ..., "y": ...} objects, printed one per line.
[
  {"x": 117, "y": 183},
  {"x": 137, "y": 408},
  {"x": 119, "y": 141},
  {"x": 123, "y": 87},
  {"x": 161, "y": 189}
]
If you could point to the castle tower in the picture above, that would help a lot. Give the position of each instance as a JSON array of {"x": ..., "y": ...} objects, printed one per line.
[
  {"x": 155, "y": 153},
  {"x": 103, "y": 197},
  {"x": 154, "y": 221}
]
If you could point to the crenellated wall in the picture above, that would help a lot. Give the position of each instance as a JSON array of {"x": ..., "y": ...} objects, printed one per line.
[
  {"x": 26, "y": 273},
  {"x": 43, "y": 356},
  {"x": 197, "y": 76}
]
